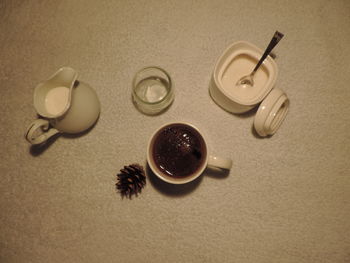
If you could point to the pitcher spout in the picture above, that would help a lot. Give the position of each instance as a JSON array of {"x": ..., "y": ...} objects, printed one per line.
[
  {"x": 52, "y": 98},
  {"x": 65, "y": 76}
]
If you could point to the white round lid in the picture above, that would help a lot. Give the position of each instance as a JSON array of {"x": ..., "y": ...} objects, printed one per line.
[{"x": 271, "y": 113}]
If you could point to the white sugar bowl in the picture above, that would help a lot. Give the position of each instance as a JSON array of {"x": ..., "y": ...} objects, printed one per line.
[{"x": 238, "y": 60}]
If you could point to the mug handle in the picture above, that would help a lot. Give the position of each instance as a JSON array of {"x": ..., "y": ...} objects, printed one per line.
[
  {"x": 218, "y": 162},
  {"x": 34, "y": 137}
]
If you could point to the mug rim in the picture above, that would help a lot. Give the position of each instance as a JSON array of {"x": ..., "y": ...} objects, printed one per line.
[{"x": 169, "y": 179}]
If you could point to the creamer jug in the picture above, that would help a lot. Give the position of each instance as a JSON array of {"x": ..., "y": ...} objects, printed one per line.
[{"x": 64, "y": 104}]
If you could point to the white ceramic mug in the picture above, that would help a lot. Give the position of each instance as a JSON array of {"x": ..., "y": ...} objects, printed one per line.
[{"x": 207, "y": 160}]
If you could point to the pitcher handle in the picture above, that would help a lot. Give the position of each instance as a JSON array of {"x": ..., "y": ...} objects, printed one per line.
[
  {"x": 219, "y": 162},
  {"x": 34, "y": 137}
]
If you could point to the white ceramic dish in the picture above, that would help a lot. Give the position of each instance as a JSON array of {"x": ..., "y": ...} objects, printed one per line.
[{"x": 238, "y": 60}]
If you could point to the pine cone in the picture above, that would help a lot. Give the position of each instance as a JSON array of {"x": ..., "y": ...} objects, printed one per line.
[{"x": 131, "y": 180}]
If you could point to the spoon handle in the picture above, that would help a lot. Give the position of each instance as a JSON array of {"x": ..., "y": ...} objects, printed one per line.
[{"x": 275, "y": 39}]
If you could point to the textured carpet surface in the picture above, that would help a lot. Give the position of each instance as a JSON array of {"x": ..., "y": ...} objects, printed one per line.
[{"x": 287, "y": 197}]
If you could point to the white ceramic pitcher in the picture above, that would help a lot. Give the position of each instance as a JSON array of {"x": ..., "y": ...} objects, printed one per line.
[{"x": 66, "y": 105}]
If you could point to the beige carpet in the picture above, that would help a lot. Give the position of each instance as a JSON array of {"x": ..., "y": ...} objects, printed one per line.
[{"x": 286, "y": 199}]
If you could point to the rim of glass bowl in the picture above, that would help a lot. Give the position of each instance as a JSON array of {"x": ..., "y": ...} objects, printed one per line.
[{"x": 156, "y": 102}]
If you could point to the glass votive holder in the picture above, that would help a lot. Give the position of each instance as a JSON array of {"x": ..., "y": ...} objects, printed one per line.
[{"x": 152, "y": 90}]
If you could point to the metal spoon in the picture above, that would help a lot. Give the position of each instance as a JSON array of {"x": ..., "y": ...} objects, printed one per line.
[{"x": 249, "y": 79}]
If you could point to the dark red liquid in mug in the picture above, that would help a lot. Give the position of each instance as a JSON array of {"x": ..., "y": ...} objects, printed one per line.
[{"x": 178, "y": 150}]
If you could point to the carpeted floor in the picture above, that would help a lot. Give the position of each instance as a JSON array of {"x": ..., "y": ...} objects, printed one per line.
[{"x": 287, "y": 197}]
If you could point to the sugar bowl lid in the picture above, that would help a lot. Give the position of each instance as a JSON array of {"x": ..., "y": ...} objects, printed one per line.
[{"x": 271, "y": 113}]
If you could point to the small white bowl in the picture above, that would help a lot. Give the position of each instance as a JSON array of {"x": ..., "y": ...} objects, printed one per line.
[{"x": 238, "y": 60}]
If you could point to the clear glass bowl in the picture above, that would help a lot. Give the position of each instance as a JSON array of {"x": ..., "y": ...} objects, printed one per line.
[{"x": 152, "y": 90}]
